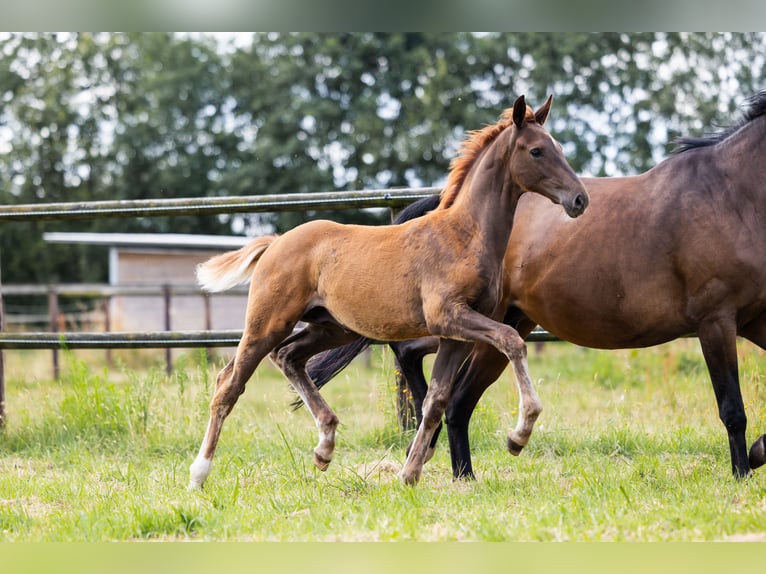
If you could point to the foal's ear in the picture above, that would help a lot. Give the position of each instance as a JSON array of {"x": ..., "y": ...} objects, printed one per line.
[
  {"x": 542, "y": 114},
  {"x": 519, "y": 111}
]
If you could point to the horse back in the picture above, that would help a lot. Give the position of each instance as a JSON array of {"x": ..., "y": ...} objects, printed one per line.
[{"x": 644, "y": 265}]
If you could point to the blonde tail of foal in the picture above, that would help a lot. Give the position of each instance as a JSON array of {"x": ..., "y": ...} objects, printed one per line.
[{"x": 233, "y": 268}]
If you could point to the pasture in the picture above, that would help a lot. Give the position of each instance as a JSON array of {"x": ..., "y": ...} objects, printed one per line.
[{"x": 628, "y": 448}]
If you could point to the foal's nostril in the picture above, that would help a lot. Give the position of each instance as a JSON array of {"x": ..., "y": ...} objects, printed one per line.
[{"x": 580, "y": 203}]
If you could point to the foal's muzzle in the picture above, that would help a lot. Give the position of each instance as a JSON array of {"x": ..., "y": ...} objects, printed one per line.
[{"x": 576, "y": 206}]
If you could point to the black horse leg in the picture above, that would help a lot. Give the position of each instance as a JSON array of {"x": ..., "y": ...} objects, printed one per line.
[
  {"x": 483, "y": 367},
  {"x": 755, "y": 331},
  {"x": 719, "y": 347},
  {"x": 409, "y": 357}
]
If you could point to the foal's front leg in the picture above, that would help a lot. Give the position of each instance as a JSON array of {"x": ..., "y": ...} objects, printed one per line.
[
  {"x": 530, "y": 405},
  {"x": 469, "y": 324},
  {"x": 449, "y": 357}
]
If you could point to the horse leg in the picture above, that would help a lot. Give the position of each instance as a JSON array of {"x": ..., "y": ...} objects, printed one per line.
[
  {"x": 409, "y": 357},
  {"x": 291, "y": 357},
  {"x": 755, "y": 331},
  {"x": 469, "y": 325},
  {"x": 229, "y": 386},
  {"x": 530, "y": 406},
  {"x": 483, "y": 367},
  {"x": 449, "y": 357},
  {"x": 719, "y": 347}
]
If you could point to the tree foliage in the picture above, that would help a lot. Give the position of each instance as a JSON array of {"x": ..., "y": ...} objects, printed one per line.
[{"x": 121, "y": 116}]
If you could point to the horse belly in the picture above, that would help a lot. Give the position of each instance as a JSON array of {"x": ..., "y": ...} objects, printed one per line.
[
  {"x": 376, "y": 309},
  {"x": 604, "y": 314},
  {"x": 613, "y": 331},
  {"x": 380, "y": 321}
]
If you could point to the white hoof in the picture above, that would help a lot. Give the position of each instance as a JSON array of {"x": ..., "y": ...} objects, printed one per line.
[{"x": 198, "y": 472}]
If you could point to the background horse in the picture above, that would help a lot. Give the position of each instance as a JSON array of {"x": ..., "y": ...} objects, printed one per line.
[
  {"x": 680, "y": 249},
  {"x": 347, "y": 279}
]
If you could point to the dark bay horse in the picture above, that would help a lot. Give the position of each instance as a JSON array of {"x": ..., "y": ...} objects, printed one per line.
[
  {"x": 680, "y": 249},
  {"x": 348, "y": 279}
]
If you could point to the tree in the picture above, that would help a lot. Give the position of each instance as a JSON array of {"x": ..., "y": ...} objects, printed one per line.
[
  {"x": 121, "y": 116},
  {"x": 108, "y": 117}
]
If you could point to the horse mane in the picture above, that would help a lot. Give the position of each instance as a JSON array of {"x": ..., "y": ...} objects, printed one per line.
[
  {"x": 756, "y": 107},
  {"x": 470, "y": 150}
]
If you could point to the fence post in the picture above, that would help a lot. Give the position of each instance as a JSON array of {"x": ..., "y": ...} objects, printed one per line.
[
  {"x": 405, "y": 408},
  {"x": 107, "y": 304},
  {"x": 2, "y": 356},
  {"x": 53, "y": 318},
  {"x": 208, "y": 323},
  {"x": 168, "y": 354}
]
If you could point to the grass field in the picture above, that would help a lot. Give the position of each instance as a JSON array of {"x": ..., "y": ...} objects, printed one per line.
[{"x": 628, "y": 448}]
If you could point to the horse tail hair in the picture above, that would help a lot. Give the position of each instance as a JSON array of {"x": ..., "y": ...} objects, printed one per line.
[
  {"x": 323, "y": 367},
  {"x": 233, "y": 268}
]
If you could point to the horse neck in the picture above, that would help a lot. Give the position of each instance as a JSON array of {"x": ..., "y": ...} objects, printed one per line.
[
  {"x": 741, "y": 155},
  {"x": 488, "y": 198}
]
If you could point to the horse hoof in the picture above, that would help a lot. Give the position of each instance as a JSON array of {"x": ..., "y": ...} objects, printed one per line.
[
  {"x": 513, "y": 447},
  {"x": 321, "y": 462},
  {"x": 758, "y": 452},
  {"x": 410, "y": 478}
]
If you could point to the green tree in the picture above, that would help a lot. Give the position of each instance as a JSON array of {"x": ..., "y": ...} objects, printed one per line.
[
  {"x": 118, "y": 116},
  {"x": 353, "y": 111},
  {"x": 121, "y": 116},
  {"x": 44, "y": 122}
]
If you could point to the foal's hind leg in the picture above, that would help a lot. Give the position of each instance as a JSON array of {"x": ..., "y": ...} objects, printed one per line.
[
  {"x": 229, "y": 386},
  {"x": 291, "y": 357}
]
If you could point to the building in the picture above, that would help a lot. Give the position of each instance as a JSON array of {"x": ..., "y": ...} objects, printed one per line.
[{"x": 154, "y": 261}]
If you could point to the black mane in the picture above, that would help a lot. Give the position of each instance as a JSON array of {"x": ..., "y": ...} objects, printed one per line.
[{"x": 756, "y": 107}]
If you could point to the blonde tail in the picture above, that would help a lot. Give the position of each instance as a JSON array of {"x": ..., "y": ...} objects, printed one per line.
[{"x": 233, "y": 268}]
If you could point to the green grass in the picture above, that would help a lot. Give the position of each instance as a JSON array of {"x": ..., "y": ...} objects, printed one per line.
[{"x": 628, "y": 448}]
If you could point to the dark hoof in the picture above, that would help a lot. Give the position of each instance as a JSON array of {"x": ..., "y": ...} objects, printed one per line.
[
  {"x": 758, "y": 452},
  {"x": 410, "y": 478},
  {"x": 514, "y": 448},
  {"x": 320, "y": 462},
  {"x": 464, "y": 477}
]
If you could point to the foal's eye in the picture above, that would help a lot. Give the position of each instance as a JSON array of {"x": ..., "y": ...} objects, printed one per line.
[{"x": 536, "y": 152}]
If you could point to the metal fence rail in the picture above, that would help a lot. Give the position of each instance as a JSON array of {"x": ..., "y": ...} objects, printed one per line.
[
  {"x": 392, "y": 198},
  {"x": 147, "y": 339},
  {"x": 120, "y": 339},
  {"x": 105, "y": 290}
]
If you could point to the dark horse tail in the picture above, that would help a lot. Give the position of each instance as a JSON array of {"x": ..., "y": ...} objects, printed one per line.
[{"x": 324, "y": 366}]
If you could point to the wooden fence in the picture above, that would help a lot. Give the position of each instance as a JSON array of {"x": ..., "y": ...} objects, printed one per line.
[{"x": 57, "y": 336}]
